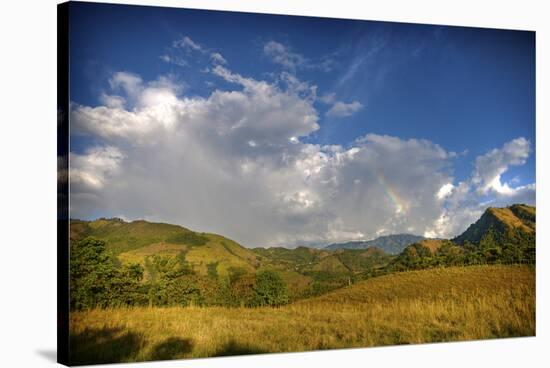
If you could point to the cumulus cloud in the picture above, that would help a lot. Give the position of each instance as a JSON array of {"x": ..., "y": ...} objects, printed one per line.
[
  {"x": 463, "y": 203},
  {"x": 445, "y": 191},
  {"x": 237, "y": 163},
  {"x": 337, "y": 108},
  {"x": 341, "y": 109},
  {"x": 490, "y": 167},
  {"x": 233, "y": 163},
  {"x": 129, "y": 83},
  {"x": 91, "y": 170}
]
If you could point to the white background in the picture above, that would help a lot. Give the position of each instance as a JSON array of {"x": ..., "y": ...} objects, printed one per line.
[{"x": 28, "y": 182}]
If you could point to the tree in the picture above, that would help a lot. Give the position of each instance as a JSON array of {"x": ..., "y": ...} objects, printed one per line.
[
  {"x": 171, "y": 281},
  {"x": 97, "y": 281},
  {"x": 270, "y": 289}
]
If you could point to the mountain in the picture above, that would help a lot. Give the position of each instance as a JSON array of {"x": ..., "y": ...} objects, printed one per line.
[
  {"x": 501, "y": 235},
  {"x": 306, "y": 260},
  {"x": 306, "y": 271},
  {"x": 509, "y": 224},
  {"x": 133, "y": 242},
  {"x": 391, "y": 244}
]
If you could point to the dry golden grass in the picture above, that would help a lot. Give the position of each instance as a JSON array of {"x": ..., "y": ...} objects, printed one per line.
[
  {"x": 508, "y": 217},
  {"x": 432, "y": 244},
  {"x": 450, "y": 304},
  {"x": 162, "y": 248}
]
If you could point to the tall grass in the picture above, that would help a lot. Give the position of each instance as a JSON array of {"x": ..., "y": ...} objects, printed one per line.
[{"x": 450, "y": 304}]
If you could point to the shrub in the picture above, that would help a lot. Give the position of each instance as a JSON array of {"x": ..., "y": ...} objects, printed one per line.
[{"x": 269, "y": 289}]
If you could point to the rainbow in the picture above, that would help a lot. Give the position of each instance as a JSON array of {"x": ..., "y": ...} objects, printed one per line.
[{"x": 400, "y": 204}]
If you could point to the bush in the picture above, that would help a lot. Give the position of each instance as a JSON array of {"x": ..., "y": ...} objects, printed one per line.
[
  {"x": 269, "y": 290},
  {"x": 96, "y": 280}
]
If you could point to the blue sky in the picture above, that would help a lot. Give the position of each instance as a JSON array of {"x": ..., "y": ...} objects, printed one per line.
[{"x": 466, "y": 90}]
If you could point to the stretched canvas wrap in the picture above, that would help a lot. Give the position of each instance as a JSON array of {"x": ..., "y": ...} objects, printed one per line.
[{"x": 235, "y": 183}]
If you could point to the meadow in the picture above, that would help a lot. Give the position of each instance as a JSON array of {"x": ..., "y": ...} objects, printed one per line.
[{"x": 434, "y": 305}]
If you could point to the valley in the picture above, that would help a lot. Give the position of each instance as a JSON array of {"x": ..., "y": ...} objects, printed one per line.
[{"x": 148, "y": 291}]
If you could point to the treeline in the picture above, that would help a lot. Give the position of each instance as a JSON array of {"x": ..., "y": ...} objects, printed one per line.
[
  {"x": 493, "y": 248},
  {"x": 99, "y": 280}
]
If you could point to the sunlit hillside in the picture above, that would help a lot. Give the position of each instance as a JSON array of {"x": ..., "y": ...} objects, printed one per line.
[{"x": 443, "y": 304}]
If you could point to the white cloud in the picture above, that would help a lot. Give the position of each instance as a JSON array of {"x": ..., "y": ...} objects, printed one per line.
[
  {"x": 184, "y": 49},
  {"x": 112, "y": 101},
  {"x": 187, "y": 43},
  {"x": 172, "y": 59},
  {"x": 291, "y": 60},
  {"x": 217, "y": 58},
  {"x": 92, "y": 169},
  {"x": 282, "y": 55},
  {"x": 298, "y": 87},
  {"x": 445, "y": 191},
  {"x": 129, "y": 83},
  {"x": 465, "y": 202},
  {"x": 236, "y": 162},
  {"x": 342, "y": 109},
  {"x": 328, "y": 98},
  {"x": 490, "y": 167}
]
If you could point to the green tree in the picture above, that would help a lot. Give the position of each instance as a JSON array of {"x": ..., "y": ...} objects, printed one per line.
[
  {"x": 91, "y": 270},
  {"x": 270, "y": 289},
  {"x": 96, "y": 280},
  {"x": 171, "y": 281}
]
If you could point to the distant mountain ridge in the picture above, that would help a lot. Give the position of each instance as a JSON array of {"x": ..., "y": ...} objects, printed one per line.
[
  {"x": 501, "y": 235},
  {"x": 391, "y": 244}
]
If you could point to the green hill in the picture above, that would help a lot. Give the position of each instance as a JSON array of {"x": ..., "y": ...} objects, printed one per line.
[
  {"x": 306, "y": 271},
  {"x": 219, "y": 265},
  {"x": 316, "y": 271},
  {"x": 501, "y": 235},
  {"x": 122, "y": 236},
  {"x": 305, "y": 259},
  {"x": 133, "y": 242}
]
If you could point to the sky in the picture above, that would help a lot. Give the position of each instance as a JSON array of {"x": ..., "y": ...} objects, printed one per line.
[{"x": 286, "y": 131}]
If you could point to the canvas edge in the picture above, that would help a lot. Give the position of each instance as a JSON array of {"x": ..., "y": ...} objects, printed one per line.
[{"x": 63, "y": 355}]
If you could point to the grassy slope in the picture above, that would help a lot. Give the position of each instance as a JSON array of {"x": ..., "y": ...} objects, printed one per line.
[
  {"x": 518, "y": 217},
  {"x": 435, "y": 305},
  {"x": 123, "y": 236},
  {"x": 226, "y": 253},
  {"x": 308, "y": 259},
  {"x": 133, "y": 241},
  {"x": 302, "y": 267}
]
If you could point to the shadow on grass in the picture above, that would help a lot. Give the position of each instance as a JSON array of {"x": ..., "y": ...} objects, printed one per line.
[
  {"x": 118, "y": 345},
  {"x": 234, "y": 348},
  {"x": 172, "y": 348},
  {"x": 104, "y": 345}
]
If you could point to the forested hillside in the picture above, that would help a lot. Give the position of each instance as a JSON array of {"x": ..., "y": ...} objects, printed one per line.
[{"x": 119, "y": 263}]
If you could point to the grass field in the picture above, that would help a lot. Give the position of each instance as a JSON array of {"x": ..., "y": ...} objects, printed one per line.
[{"x": 447, "y": 304}]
